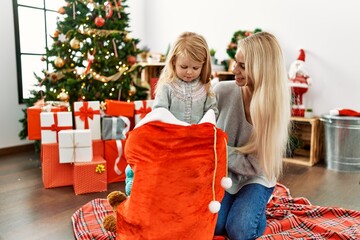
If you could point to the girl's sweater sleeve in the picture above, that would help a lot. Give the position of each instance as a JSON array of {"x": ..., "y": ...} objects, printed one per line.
[
  {"x": 210, "y": 103},
  {"x": 162, "y": 98}
]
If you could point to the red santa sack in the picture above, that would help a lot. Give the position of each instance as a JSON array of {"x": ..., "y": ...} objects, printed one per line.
[{"x": 177, "y": 173}]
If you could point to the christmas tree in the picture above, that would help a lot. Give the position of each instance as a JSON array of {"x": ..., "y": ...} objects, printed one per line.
[{"x": 93, "y": 57}]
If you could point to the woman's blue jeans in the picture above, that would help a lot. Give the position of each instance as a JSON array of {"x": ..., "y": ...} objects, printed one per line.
[{"x": 242, "y": 215}]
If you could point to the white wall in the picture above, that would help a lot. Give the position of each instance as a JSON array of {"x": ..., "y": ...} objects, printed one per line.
[
  {"x": 327, "y": 30},
  {"x": 9, "y": 107}
]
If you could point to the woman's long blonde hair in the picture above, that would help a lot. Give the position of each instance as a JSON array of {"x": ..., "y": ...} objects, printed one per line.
[
  {"x": 187, "y": 44},
  {"x": 270, "y": 104}
]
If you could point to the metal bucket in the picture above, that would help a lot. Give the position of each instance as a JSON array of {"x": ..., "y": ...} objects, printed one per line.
[{"x": 342, "y": 142}]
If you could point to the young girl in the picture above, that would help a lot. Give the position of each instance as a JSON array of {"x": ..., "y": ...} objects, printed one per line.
[{"x": 184, "y": 84}]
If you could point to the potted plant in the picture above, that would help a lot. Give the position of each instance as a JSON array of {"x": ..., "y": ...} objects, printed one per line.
[
  {"x": 293, "y": 143},
  {"x": 212, "y": 55}
]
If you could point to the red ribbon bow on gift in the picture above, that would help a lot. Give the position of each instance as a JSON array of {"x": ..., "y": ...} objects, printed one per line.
[
  {"x": 86, "y": 112},
  {"x": 143, "y": 110},
  {"x": 55, "y": 128}
]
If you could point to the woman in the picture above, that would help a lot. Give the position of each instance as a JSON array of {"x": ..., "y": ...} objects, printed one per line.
[{"x": 254, "y": 110}]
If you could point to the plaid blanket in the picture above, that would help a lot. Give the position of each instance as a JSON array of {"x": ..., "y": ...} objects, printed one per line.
[
  {"x": 296, "y": 218},
  {"x": 287, "y": 218}
]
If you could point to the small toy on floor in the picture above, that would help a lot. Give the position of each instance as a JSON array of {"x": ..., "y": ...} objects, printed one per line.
[{"x": 114, "y": 199}]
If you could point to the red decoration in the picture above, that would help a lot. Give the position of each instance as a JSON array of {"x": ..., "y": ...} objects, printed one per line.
[
  {"x": 131, "y": 60},
  {"x": 144, "y": 109},
  {"x": 108, "y": 9},
  {"x": 90, "y": 59},
  {"x": 299, "y": 83},
  {"x": 117, "y": 6},
  {"x": 99, "y": 21},
  {"x": 86, "y": 112}
]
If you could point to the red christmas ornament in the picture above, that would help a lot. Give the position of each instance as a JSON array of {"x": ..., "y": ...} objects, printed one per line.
[
  {"x": 99, "y": 21},
  {"x": 108, "y": 9},
  {"x": 61, "y": 10},
  {"x": 131, "y": 60}
]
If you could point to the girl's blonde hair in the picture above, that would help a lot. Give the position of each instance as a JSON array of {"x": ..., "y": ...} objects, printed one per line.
[
  {"x": 192, "y": 45},
  {"x": 270, "y": 105}
]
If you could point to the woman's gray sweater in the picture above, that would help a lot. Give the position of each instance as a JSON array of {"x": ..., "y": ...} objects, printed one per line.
[{"x": 243, "y": 169}]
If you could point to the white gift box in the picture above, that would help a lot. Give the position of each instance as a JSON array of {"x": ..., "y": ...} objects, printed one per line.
[
  {"x": 52, "y": 122},
  {"x": 142, "y": 107},
  {"x": 75, "y": 146},
  {"x": 87, "y": 116}
]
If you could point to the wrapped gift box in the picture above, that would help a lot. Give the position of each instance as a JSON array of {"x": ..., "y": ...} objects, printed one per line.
[
  {"x": 114, "y": 127},
  {"x": 115, "y": 160},
  {"x": 33, "y": 118},
  {"x": 54, "y": 174},
  {"x": 142, "y": 107},
  {"x": 91, "y": 176},
  {"x": 52, "y": 122},
  {"x": 98, "y": 148},
  {"x": 119, "y": 108},
  {"x": 75, "y": 146},
  {"x": 87, "y": 116}
]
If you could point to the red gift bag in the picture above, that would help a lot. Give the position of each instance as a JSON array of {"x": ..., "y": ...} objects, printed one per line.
[{"x": 174, "y": 168}]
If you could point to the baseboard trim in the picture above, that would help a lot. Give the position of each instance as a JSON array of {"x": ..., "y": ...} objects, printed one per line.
[{"x": 17, "y": 149}]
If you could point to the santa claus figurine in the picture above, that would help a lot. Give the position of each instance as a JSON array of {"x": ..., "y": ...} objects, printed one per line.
[{"x": 299, "y": 83}]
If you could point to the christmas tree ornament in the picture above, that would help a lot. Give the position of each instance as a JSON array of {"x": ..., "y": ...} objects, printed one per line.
[
  {"x": 132, "y": 91},
  {"x": 117, "y": 6},
  {"x": 90, "y": 58},
  {"x": 59, "y": 62},
  {"x": 115, "y": 47},
  {"x": 53, "y": 77},
  {"x": 56, "y": 34},
  {"x": 131, "y": 60},
  {"x": 108, "y": 9},
  {"x": 128, "y": 37},
  {"x": 299, "y": 84},
  {"x": 62, "y": 37},
  {"x": 63, "y": 96},
  {"x": 75, "y": 44},
  {"x": 99, "y": 21},
  {"x": 61, "y": 10},
  {"x": 74, "y": 10}
]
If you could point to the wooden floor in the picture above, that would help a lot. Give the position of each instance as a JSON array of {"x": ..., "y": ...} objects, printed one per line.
[{"x": 28, "y": 211}]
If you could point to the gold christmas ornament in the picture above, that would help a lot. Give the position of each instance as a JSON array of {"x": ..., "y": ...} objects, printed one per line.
[
  {"x": 75, "y": 43},
  {"x": 63, "y": 96},
  {"x": 132, "y": 91},
  {"x": 59, "y": 62},
  {"x": 61, "y": 10}
]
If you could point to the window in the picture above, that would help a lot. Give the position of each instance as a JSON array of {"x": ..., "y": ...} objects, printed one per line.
[{"x": 35, "y": 23}]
